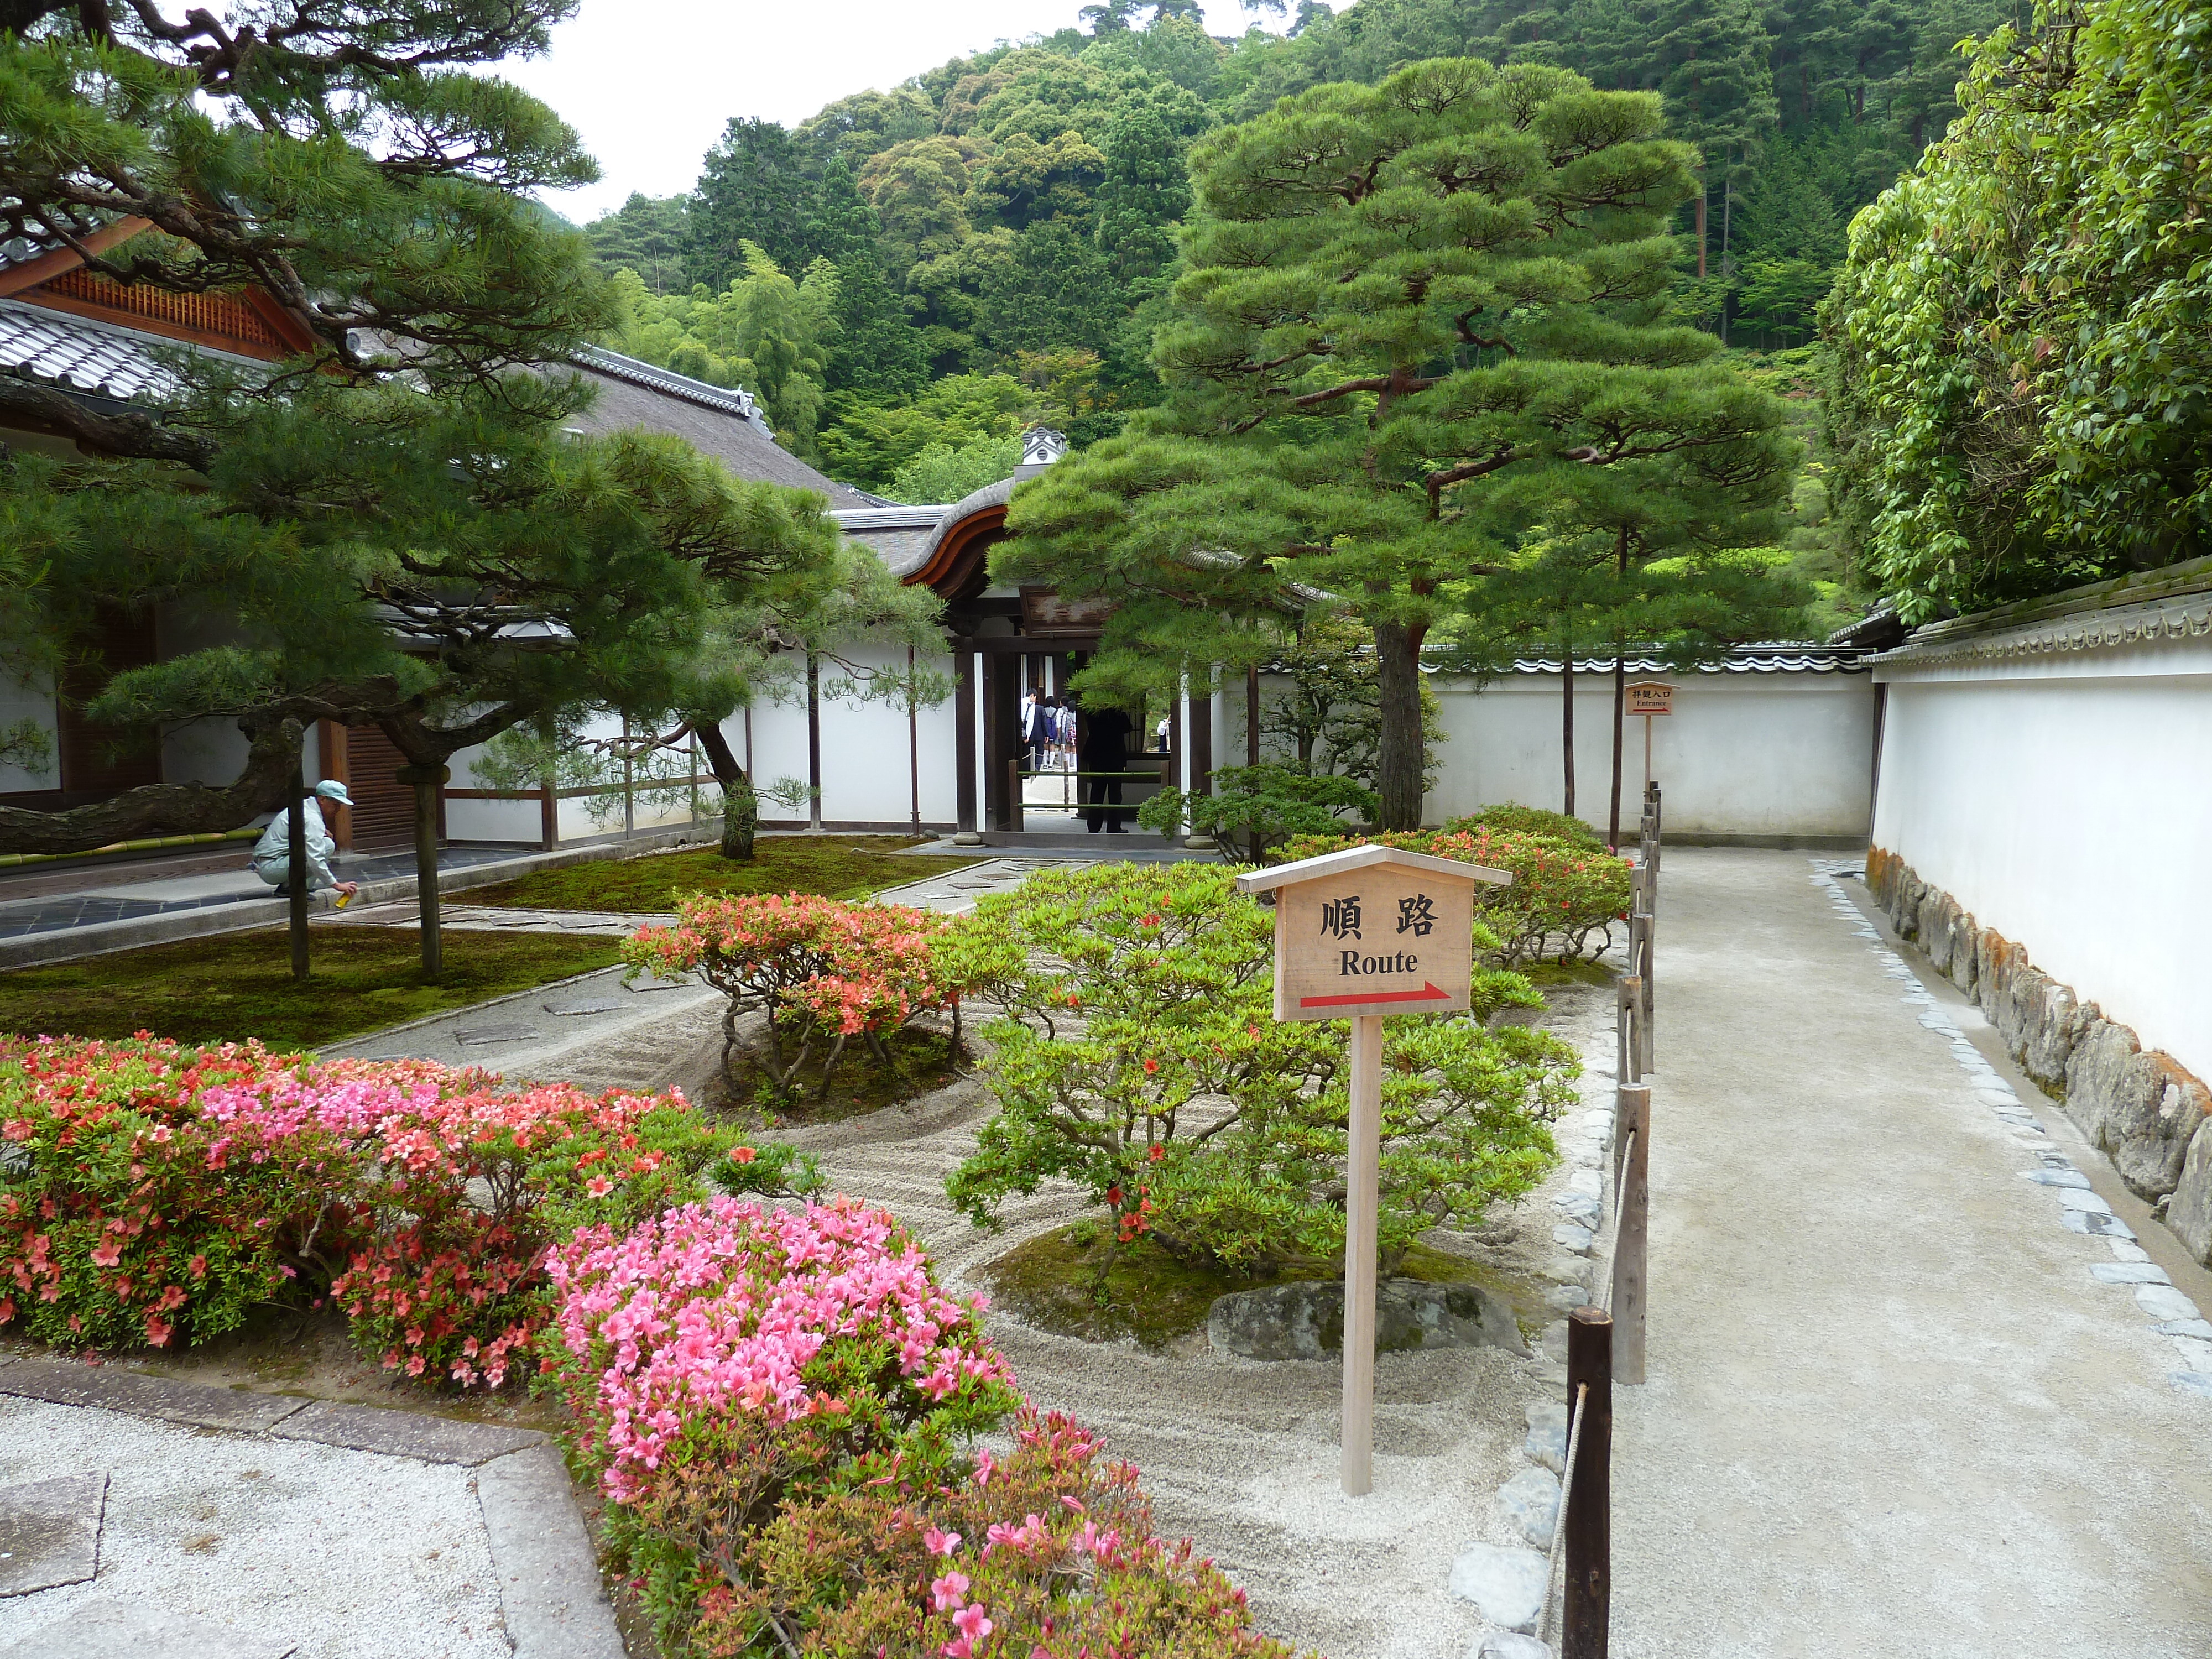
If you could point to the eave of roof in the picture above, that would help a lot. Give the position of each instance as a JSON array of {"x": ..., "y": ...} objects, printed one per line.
[{"x": 2152, "y": 606}]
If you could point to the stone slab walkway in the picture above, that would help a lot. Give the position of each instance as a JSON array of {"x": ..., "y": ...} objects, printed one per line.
[
  {"x": 146, "y": 1515},
  {"x": 1896, "y": 1405}
]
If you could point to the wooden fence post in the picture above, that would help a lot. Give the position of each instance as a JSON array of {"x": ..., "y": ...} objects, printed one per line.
[
  {"x": 1629, "y": 1061},
  {"x": 1014, "y": 794},
  {"x": 1631, "y": 1193},
  {"x": 1588, "y": 1495}
]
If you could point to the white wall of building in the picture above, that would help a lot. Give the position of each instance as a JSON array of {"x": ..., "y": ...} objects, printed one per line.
[
  {"x": 33, "y": 702},
  {"x": 1780, "y": 753},
  {"x": 2065, "y": 800}
]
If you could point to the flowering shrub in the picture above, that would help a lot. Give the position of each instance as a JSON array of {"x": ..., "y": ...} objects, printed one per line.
[
  {"x": 1564, "y": 901},
  {"x": 779, "y": 1405},
  {"x": 149, "y": 1191},
  {"x": 1138, "y": 1056},
  {"x": 816, "y": 967},
  {"x": 1529, "y": 820}
]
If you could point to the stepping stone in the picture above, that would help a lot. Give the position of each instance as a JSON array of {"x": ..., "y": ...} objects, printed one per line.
[
  {"x": 1580, "y": 1208},
  {"x": 2163, "y": 1302},
  {"x": 2072, "y": 1178},
  {"x": 1506, "y": 1585},
  {"x": 50, "y": 1533},
  {"x": 404, "y": 1434},
  {"x": 2196, "y": 1383},
  {"x": 2199, "y": 1328},
  {"x": 2129, "y": 1272},
  {"x": 575, "y": 1009},
  {"x": 2097, "y": 1226},
  {"x": 483, "y": 1036},
  {"x": 2074, "y": 1199},
  {"x": 1575, "y": 1238},
  {"x": 2123, "y": 1251},
  {"x": 131, "y": 1629},
  {"x": 1530, "y": 1504},
  {"x": 2196, "y": 1352},
  {"x": 1587, "y": 1181}
]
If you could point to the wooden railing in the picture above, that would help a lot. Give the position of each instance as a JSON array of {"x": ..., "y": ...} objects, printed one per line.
[{"x": 1605, "y": 1344}]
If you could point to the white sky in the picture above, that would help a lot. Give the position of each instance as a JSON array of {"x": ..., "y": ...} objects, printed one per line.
[{"x": 649, "y": 83}]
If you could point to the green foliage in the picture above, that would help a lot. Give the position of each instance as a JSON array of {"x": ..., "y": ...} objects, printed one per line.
[
  {"x": 2019, "y": 392},
  {"x": 1137, "y": 1056},
  {"x": 645, "y": 235},
  {"x": 942, "y": 473},
  {"x": 1419, "y": 319},
  {"x": 1527, "y": 820},
  {"x": 869, "y": 443},
  {"x": 1326, "y": 708},
  {"x": 1255, "y": 808},
  {"x": 842, "y": 868}
]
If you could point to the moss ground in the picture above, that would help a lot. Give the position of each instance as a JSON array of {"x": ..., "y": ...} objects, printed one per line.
[
  {"x": 235, "y": 986},
  {"x": 1159, "y": 1299},
  {"x": 837, "y": 867},
  {"x": 1545, "y": 976},
  {"x": 921, "y": 1062}
]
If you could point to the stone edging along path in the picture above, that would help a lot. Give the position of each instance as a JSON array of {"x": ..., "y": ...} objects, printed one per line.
[
  {"x": 2172, "y": 1313},
  {"x": 550, "y": 1590}
]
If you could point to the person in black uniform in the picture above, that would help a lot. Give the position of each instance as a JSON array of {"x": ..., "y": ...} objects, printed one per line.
[{"x": 1105, "y": 748}]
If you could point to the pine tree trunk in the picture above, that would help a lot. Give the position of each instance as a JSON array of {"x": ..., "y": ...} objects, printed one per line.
[
  {"x": 1619, "y": 713},
  {"x": 1398, "y": 764},
  {"x": 1701, "y": 233},
  {"x": 426, "y": 780},
  {"x": 740, "y": 807},
  {"x": 1567, "y": 724}
]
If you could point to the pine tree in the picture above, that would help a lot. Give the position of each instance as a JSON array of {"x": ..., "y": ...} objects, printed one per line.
[
  {"x": 1410, "y": 307},
  {"x": 752, "y": 189}
]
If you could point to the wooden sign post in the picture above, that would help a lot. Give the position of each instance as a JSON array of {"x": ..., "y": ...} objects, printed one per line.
[
  {"x": 1653, "y": 699},
  {"x": 1361, "y": 934}
]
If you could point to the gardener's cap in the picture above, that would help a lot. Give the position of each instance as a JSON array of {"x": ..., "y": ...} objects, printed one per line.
[{"x": 332, "y": 789}]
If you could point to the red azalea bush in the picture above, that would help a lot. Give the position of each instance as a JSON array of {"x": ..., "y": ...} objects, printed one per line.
[
  {"x": 780, "y": 1404},
  {"x": 818, "y": 968},
  {"x": 1561, "y": 905},
  {"x": 148, "y": 1190}
]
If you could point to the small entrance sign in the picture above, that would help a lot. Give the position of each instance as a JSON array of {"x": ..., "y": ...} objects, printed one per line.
[
  {"x": 1360, "y": 934},
  {"x": 1651, "y": 697},
  {"x": 1372, "y": 930}
]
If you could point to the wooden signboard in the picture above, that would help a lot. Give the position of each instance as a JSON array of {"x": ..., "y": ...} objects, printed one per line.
[
  {"x": 1360, "y": 934},
  {"x": 1651, "y": 697}
]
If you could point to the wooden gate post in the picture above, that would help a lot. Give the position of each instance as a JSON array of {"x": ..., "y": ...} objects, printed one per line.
[
  {"x": 1588, "y": 1590},
  {"x": 1631, "y": 1191}
]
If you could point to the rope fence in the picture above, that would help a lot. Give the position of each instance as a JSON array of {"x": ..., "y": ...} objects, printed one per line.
[{"x": 1605, "y": 1341}]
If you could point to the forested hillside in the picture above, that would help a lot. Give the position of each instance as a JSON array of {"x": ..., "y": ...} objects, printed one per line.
[{"x": 911, "y": 275}]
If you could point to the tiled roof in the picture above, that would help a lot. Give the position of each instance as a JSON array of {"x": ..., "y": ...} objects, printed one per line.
[
  {"x": 1768, "y": 657},
  {"x": 729, "y": 400},
  {"x": 901, "y": 536},
  {"x": 78, "y": 354}
]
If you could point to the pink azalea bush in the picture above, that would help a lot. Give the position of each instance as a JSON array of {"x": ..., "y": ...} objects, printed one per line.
[
  {"x": 780, "y": 1406},
  {"x": 152, "y": 1194},
  {"x": 818, "y": 968}
]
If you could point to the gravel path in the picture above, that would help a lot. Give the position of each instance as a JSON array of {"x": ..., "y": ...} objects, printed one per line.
[
  {"x": 1242, "y": 1456},
  {"x": 1890, "y": 1410}
]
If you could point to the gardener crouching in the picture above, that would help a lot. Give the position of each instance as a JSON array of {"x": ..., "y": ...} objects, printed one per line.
[{"x": 272, "y": 853}]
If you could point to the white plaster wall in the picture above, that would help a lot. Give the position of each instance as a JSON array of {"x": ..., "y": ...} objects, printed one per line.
[
  {"x": 32, "y": 701},
  {"x": 210, "y": 751},
  {"x": 1778, "y": 754},
  {"x": 2066, "y": 804},
  {"x": 868, "y": 770}
]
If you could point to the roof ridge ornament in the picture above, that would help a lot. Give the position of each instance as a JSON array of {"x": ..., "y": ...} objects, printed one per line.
[{"x": 1041, "y": 446}]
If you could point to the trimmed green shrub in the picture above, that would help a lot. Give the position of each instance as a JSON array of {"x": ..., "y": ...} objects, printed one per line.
[
  {"x": 1138, "y": 1055},
  {"x": 1527, "y": 820},
  {"x": 1255, "y": 808}
]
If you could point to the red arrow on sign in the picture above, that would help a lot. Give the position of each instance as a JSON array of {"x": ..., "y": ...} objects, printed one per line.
[{"x": 1428, "y": 993}]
